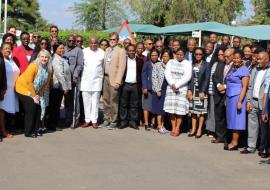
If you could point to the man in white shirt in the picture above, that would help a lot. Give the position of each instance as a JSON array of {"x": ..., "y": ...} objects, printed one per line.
[
  {"x": 131, "y": 91},
  {"x": 91, "y": 82},
  {"x": 255, "y": 93}
]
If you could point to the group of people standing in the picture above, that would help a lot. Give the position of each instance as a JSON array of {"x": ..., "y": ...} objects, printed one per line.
[{"x": 221, "y": 88}]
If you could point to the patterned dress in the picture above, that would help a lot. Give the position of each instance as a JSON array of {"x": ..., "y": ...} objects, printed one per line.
[
  {"x": 179, "y": 74},
  {"x": 197, "y": 106},
  {"x": 159, "y": 84}
]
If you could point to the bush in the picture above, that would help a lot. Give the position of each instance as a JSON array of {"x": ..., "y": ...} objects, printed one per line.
[{"x": 63, "y": 35}]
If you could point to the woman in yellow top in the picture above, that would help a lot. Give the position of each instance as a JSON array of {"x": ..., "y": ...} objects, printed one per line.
[{"x": 30, "y": 87}]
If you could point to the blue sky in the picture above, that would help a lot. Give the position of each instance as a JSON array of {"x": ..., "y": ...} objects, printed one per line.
[{"x": 56, "y": 12}]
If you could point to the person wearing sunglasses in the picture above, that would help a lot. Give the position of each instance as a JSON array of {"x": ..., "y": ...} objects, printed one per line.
[
  {"x": 79, "y": 41},
  {"x": 72, "y": 101},
  {"x": 115, "y": 66},
  {"x": 197, "y": 92},
  {"x": 42, "y": 43},
  {"x": 103, "y": 44}
]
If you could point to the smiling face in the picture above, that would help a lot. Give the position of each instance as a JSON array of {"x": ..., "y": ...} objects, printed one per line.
[
  {"x": 180, "y": 56},
  {"x": 93, "y": 44},
  {"x": 139, "y": 49},
  {"x": 113, "y": 41},
  {"x": 6, "y": 50},
  {"x": 165, "y": 57},
  {"x": 60, "y": 50},
  {"x": 25, "y": 39},
  {"x": 43, "y": 58},
  {"x": 198, "y": 55},
  {"x": 154, "y": 57},
  {"x": 237, "y": 59}
]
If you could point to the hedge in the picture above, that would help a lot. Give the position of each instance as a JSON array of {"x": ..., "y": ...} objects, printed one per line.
[{"x": 63, "y": 35}]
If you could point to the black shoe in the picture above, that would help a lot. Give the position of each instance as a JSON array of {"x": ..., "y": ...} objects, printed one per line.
[
  {"x": 122, "y": 126},
  {"x": 33, "y": 135},
  {"x": 191, "y": 135},
  {"x": 246, "y": 151},
  {"x": 134, "y": 127},
  {"x": 226, "y": 147},
  {"x": 263, "y": 155},
  {"x": 147, "y": 128},
  {"x": 198, "y": 136}
]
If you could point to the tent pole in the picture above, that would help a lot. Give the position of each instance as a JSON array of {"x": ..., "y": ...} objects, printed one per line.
[
  {"x": 5, "y": 17},
  {"x": 200, "y": 39}
]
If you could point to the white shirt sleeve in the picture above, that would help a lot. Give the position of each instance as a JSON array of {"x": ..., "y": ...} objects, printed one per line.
[
  {"x": 168, "y": 74},
  {"x": 187, "y": 75}
]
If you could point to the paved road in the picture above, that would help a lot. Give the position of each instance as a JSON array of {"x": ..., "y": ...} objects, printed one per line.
[{"x": 125, "y": 160}]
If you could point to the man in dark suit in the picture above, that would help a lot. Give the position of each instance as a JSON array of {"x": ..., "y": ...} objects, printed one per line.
[
  {"x": 211, "y": 55},
  {"x": 131, "y": 91},
  {"x": 214, "y": 41},
  {"x": 219, "y": 81},
  {"x": 191, "y": 45}
]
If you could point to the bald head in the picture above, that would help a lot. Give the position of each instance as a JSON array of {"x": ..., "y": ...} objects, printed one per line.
[
  {"x": 191, "y": 44},
  {"x": 93, "y": 43},
  {"x": 159, "y": 46},
  {"x": 263, "y": 59},
  {"x": 229, "y": 55}
]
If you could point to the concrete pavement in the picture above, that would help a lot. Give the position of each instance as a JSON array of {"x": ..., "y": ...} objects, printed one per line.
[{"x": 125, "y": 160}]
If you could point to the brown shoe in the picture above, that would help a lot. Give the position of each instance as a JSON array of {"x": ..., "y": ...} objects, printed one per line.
[
  {"x": 95, "y": 125},
  {"x": 85, "y": 125}
]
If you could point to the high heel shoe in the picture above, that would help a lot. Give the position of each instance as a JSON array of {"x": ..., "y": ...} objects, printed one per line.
[
  {"x": 198, "y": 136},
  {"x": 191, "y": 134}
]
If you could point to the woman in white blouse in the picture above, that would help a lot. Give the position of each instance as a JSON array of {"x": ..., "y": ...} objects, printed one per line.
[
  {"x": 178, "y": 74},
  {"x": 10, "y": 103}
]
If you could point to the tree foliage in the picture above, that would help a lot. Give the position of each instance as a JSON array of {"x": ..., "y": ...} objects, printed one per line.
[
  {"x": 24, "y": 14},
  {"x": 262, "y": 11},
  {"x": 166, "y": 12},
  {"x": 98, "y": 14}
]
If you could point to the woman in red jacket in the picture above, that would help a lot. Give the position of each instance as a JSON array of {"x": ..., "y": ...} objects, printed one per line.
[{"x": 22, "y": 54}]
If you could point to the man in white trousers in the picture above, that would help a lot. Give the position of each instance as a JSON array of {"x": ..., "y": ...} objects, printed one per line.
[{"x": 91, "y": 82}]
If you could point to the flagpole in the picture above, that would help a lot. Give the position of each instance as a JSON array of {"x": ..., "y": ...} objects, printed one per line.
[
  {"x": 0, "y": 16},
  {"x": 5, "y": 17}
]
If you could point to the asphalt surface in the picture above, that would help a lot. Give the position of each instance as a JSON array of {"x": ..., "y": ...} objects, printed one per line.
[{"x": 125, "y": 160}]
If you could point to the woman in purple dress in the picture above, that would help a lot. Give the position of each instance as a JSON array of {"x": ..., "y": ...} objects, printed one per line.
[{"x": 237, "y": 83}]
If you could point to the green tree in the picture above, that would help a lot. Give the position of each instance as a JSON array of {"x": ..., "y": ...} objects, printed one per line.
[
  {"x": 24, "y": 14},
  {"x": 262, "y": 11},
  {"x": 166, "y": 12},
  {"x": 98, "y": 14}
]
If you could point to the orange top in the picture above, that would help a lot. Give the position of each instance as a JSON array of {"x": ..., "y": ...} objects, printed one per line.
[{"x": 25, "y": 82}]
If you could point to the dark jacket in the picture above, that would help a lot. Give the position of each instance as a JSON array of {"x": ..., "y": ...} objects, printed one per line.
[
  {"x": 147, "y": 75},
  {"x": 218, "y": 78},
  {"x": 139, "y": 66},
  {"x": 203, "y": 78},
  {"x": 3, "y": 79}
]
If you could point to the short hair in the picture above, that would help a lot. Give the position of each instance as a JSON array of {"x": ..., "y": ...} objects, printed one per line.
[
  {"x": 167, "y": 51},
  {"x": 245, "y": 46},
  {"x": 236, "y": 37},
  {"x": 53, "y": 26},
  {"x": 180, "y": 49},
  {"x": 154, "y": 50},
  {"x": 114, "y": 34},
  {"x": 24, "y": 33},
  {"x": 55, "y": 46},
  {"x": 6, "y": 43},
  {"x": 6, "y": 35},
  {"x": 258, "y": 50},
  {"x": 139, "y": 43},
  {"x": 11, "y": 26},
  {"x": 240, "y": 52},
  {"x": 104, "y": 40},
  {"x": 176, "y": 40},
  {"x": 131, "y": 45}
]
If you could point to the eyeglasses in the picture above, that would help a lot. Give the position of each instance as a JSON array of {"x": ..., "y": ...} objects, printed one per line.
[
  {"x": 71, "y": 40},
  {"x": 54, "y": 31},
  {"x": 78, "y": 41},
  {"x": 112, "y": 39}
]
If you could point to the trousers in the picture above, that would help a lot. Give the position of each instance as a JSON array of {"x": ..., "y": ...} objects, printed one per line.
[{"x": 91, "y": 104}]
